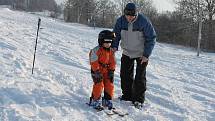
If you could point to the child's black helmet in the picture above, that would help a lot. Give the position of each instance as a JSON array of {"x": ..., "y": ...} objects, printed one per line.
[
  {"x": 105, "y": 36},
  {"x": 130, "y": 9}
]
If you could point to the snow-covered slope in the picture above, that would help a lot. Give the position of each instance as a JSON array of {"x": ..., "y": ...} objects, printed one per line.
[{"x": 181, "y": 86}]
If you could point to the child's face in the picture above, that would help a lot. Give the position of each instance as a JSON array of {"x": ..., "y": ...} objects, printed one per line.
[{"x": 106, "y": 45}]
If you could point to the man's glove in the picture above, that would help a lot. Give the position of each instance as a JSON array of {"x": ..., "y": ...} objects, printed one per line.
[
  {"x": 111, "y": 75},
  {"x": 144, "y": 60},
  {"x": 97, "y": 76}
]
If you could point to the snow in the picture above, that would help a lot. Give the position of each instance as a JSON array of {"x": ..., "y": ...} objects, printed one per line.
[{"x": 181, "y": 86}]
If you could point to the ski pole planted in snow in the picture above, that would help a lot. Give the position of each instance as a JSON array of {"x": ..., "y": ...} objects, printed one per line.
[{"x": 39, "y": 21}]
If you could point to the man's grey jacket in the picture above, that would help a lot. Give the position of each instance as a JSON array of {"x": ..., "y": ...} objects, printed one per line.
[{"x": 137, "y": 38}]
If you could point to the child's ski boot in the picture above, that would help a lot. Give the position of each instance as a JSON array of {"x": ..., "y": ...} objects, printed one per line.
[
  {"x": 96, "y": 104},
  {"x": 107, "y": 103}
]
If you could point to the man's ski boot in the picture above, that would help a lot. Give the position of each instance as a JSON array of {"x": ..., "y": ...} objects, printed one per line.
[
  {"x": 96, "y": 104},
  {"x": 107, "y": 103},
  {"x": 138, "y": 105}
]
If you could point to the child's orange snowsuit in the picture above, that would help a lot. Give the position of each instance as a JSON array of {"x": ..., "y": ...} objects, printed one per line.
[{"x": 102, "y": 60}]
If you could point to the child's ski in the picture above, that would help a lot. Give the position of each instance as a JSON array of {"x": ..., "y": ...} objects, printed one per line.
[
  {"x": 111, "y": 112},
  {"x": 115, "y": 111}
]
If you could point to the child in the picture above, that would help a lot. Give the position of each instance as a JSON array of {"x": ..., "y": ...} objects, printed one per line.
[{"x": 102, "y": 61}]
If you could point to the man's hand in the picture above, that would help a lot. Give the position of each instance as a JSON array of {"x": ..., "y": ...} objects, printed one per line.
[{"x": 144, "y": 60}]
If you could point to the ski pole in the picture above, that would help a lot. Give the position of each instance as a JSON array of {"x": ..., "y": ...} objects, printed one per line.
[{"x": 39, "y": 21}]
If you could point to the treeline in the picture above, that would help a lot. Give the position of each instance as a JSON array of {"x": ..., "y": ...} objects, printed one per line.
[
  {"x": 34, "y": 5},
  {"x": 178, "y": 27},
  {"x": 182, "y": 26},
  {"x": 101, "y": 13},
  {"x": 96, "y": 13}
]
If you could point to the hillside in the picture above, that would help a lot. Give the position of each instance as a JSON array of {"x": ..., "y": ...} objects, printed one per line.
[{"x": 181, "y": 86}]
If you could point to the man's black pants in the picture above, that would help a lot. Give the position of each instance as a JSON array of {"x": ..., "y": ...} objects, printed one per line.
[{"x": 133, "y": 88}]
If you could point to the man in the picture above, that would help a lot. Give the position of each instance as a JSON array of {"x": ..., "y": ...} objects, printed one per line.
[{"x": 138, "y": 38}]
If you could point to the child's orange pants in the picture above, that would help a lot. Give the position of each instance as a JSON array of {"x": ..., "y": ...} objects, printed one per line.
[{"x": 105, "y": 84}]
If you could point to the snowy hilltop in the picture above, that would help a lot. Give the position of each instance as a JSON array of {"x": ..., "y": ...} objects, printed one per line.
[{"x": 180, "y": 86}]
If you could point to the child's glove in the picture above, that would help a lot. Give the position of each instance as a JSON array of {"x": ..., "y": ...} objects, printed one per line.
[
  {"x": 97, "y": 77},
  {"x": 111, "y": 75}
]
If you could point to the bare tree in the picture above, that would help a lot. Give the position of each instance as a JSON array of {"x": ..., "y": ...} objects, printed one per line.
[
  {"x": 101, "y": 12},
  {"x": 79, "y": 10},
  {"x": 199, "y": 29},
  {"x": 105, "y": 13}
]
